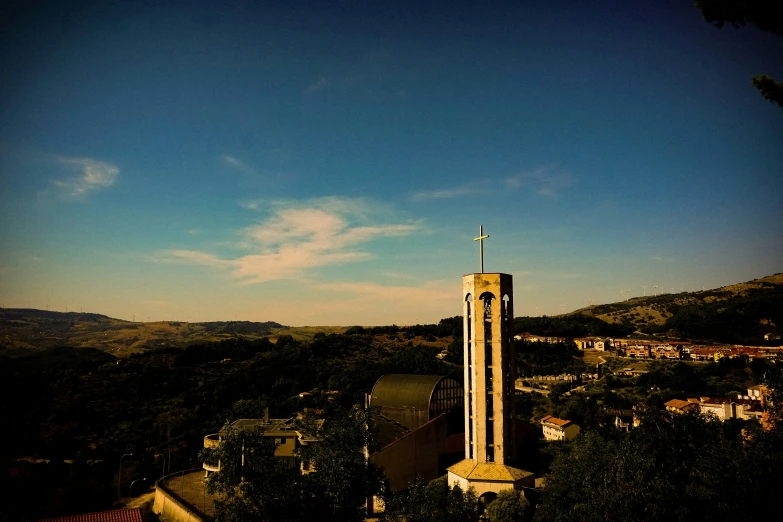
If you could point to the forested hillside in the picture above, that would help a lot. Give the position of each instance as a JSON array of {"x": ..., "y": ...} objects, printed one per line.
[
  {"x": 736, "y": 314},
  {"x": 89, "y": 407}
]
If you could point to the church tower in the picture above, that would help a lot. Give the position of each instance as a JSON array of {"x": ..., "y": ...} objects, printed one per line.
[
  {"x": 489, "y": 372},
  {"x": 488, "y": 332}
]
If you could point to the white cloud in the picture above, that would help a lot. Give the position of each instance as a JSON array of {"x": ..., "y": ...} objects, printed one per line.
[
  {"x": 94, "y": 175},
  {"x": 444, "y": 193},
  {"x": 296, "y": 238},
  {"x": 239, "y": 165},
  {"x": 253, "y": 204},
  {"x": 546, "y": 181}
]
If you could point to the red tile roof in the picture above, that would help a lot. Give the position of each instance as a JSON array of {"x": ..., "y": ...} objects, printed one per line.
[
  {"x": 115, "y": 515},
  {"x": 554, "y": 420}
]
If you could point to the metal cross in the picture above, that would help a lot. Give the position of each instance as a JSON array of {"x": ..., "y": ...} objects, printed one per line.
[{"x": 481, "y": 239}]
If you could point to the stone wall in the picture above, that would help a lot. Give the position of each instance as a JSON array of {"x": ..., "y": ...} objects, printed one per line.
[{"x": 169, "y": 506}]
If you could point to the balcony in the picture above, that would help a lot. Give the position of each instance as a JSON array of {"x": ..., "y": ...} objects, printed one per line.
[{"x": 212, "y": 441}]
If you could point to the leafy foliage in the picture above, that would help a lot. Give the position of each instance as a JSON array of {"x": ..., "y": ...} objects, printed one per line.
[
  {"x": 731, "y": 321},
  {"x": 343, "y": 480},
  {"x": 764, "y": 14},
  {"x": 509, "y": 506},
  {"x": 433, "y": 502},
  {"x": 570, "y": 326},
  {"x": 673, "y": 467},
  {"x": 252, "y": 484},
  {"x": 542, "y": 358},
  {"x": 88, "y": 406}
]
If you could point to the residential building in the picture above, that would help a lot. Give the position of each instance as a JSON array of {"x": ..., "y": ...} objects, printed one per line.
[
  {"x": 285, "y": 433},
  {"x": 559, "y": 429},
  {"x": 680, "y": 406},
  {"x": 623, "y": 419},
  {"x": 640, "y": 351},
  {"x": 665, "y": 351},
  {"x": 727, "y": 408}
]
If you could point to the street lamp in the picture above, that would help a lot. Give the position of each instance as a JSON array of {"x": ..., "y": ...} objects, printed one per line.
[
  {"x": 119, "y": 474},
  {"x": 132, "y": 483}
]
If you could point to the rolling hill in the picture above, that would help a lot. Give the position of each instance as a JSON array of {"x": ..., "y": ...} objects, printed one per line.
[
  {"x": 738, "y": 313},
  {"x": 22, "y": 330}
]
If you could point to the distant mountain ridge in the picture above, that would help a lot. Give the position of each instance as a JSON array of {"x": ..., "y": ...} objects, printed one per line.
[
  {"x": 741, "y": 313},
  {"x": 30, "y": 329}
]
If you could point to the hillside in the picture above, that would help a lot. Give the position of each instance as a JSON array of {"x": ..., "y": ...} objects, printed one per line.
[
  {"x": 22, "y": 330},
  {"x": 738, "y": 313}
]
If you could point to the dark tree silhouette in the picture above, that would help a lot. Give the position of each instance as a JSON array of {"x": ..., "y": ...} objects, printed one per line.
[{"x": 765, "y": 14}]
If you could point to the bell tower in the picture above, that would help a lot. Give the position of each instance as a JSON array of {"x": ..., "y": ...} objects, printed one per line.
[
  {"x": 489, "y": 373},
  {"x": 488, "y": 332}
]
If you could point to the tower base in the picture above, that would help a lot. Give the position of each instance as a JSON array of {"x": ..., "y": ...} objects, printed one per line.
[{"x": 488, "y": 477}]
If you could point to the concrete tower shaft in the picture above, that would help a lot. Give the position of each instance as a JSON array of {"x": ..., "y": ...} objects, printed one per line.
[{"x": 488, "y": 326}]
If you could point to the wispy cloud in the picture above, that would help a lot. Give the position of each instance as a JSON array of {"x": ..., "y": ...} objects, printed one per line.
[
  {"x": 93, "y": 176},
  {"x": 319, "y": 85},
  {"x": 234, "y": 162},
  {"x": 251, "y": 204},
  {"x": 297, "y": 238},
  {"x": 546, "y": 181},
  {"x": 433, "y": 291},
  {"x": 456, "y": 192},
  {"x": 373, "y": 303},
  {"x": 373, "y": 75}
]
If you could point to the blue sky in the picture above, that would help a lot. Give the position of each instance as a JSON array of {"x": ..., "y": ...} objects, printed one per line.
[{"x": 330, "y": 162}]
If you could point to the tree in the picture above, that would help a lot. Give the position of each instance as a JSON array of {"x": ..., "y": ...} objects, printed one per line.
[
  {"x": 252, "y": 484},
  {"x": 343, "y": 480},
  {"x": 433, "y": 502},
  {"x": 509, "y": 506},
  {"x": 673, "y": 467},
  {"x": 764, "y": 14}
]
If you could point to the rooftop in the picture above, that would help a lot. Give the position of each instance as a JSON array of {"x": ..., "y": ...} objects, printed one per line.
[
  {"x": 472, "y": 470},
  {"x": 114, "y": 515},
  {"x": 270, "y": 425},
  {"x": 554, "y": 420},
  {"x": 677, "y": 404}
]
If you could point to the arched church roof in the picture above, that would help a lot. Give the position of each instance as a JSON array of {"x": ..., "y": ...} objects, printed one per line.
[{"x": 398, "y": 390}]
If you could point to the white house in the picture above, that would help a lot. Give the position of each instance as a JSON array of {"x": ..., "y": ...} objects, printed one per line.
[{"x": 559, "y": 429}]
